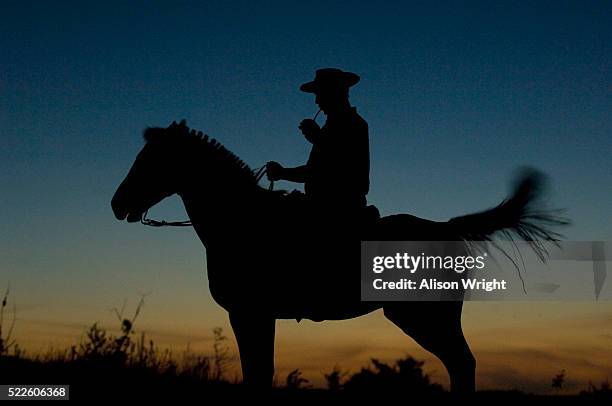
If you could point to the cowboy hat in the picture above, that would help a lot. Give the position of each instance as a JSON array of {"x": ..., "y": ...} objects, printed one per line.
[{"x": 330, "y": 78}]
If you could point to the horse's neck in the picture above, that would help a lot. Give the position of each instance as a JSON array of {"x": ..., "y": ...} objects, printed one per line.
[
  {"x": 219, "y": 214},
  {"x": 218, "y": 190}
]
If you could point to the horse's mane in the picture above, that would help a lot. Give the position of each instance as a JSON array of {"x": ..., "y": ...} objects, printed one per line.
[{"x": 211, "y": 150}]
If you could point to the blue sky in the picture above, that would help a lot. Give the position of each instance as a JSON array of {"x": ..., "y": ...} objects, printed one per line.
[{"x": 456, "y": 96}]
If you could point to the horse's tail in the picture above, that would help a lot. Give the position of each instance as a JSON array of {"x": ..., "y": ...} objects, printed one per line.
[{"x": 521, "y": 216}]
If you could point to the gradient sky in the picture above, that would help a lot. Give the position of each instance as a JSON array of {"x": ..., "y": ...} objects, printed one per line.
[{"x": 457, "y": 96}]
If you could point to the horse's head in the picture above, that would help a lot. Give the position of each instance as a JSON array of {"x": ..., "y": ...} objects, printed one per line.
[
  {"x": 154, "y": 174},
  {"x": 179, "y": 160}
]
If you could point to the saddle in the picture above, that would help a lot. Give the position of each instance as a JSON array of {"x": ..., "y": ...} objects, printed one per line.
[
  {"x": 370, "y": 215},
  {"x": 297, "y": 202}
]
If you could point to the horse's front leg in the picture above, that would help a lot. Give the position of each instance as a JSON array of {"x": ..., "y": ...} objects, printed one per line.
[{"x": 255, "y": 336}]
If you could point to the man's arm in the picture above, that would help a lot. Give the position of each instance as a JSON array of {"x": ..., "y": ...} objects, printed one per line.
[
  {"x": 276, "y": 171},
  {"x": 297, "y": 174}
]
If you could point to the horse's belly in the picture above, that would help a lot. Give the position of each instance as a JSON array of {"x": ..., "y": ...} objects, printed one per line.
[
  {"x": 290, "y": 283},
  {"x": 302, "y": 275}
]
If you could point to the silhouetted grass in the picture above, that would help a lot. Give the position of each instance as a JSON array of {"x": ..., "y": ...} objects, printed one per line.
[
  {"x": 128, "y": 366},
  {"x": 119, "y": 366}
]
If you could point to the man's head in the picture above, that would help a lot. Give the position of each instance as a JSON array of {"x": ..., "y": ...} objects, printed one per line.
[{"x": 331, "y": 88}]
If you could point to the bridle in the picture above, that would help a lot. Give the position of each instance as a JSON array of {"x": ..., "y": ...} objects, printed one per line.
[{"x": 259, "y": 174}]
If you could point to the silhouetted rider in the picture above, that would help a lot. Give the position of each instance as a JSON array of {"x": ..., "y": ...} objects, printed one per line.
[{"x": 336, "y": 175}]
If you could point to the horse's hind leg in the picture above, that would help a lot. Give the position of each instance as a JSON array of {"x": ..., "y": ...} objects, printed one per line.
[
  {"x": 255, "y": 337},
  {"x": 436, "y": 326}
]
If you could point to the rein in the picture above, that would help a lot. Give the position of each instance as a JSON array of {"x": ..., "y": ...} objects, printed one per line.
[
  {"x": 155, "y": 223},
  {"x": 260, "y": 172}
]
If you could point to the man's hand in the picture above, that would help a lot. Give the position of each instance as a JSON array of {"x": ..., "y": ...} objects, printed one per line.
[
  {"x": 273, "y": 171},
  {"x": 310, "y": 129}
]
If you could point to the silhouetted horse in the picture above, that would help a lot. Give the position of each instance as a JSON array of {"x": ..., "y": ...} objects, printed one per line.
[{"x": 309, "y": 274}]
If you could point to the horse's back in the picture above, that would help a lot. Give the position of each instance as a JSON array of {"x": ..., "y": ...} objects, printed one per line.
[{"x": 406, "y": 227}]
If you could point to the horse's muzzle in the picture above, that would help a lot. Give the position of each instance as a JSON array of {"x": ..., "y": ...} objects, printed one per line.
[
  {"x": 120, "y": 213},
  {"x": 119, "y": 210}
]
